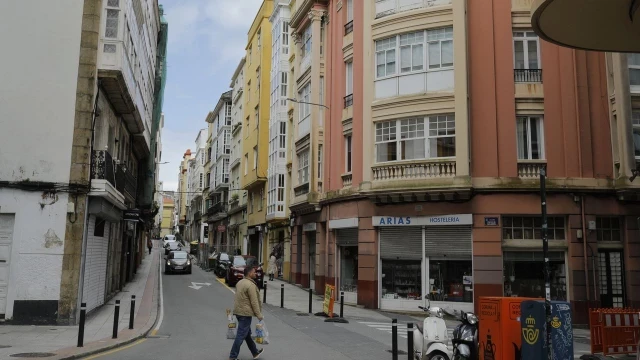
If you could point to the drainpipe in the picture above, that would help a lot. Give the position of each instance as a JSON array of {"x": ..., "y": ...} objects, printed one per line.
[
  {"x": 584, "y": 249},
  {"x": 326, "y": 248}
]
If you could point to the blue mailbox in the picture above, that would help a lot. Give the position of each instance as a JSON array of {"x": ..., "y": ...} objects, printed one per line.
[{"x": 533, "y": 323}]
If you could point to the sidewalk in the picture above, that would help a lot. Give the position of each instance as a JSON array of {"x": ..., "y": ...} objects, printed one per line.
[{"x": 61, "y": 341}]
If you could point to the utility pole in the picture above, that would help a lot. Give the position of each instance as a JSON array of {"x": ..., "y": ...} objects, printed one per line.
[{"x": 545, "y": 255}]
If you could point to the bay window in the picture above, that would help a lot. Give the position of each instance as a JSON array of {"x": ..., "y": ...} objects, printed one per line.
[
  {"x": 386, "y": 57},
  {"x": 411, "y": 51},
  {"x": 303, "y": 167},
  {"x": 306, "y": 39},
  {"x": 530, "y": 138},
  {"x": 415, "y": 138},
  {"x": 440, "y": 47},
  {"x": 304, "y": 122}
]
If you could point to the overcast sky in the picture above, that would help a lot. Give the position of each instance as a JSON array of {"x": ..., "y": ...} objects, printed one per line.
[{"x": 206, "y": 42}]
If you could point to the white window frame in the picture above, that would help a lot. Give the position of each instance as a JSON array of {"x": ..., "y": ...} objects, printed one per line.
[
  {"x": 349, "y": 11},
  {"x": 116, "y": 25},
  {"x": 528, "y": 119},
  {"x": 423, "y": 127},
  {"x": 439, "y": 37},
  {"x": 320, "y": 148},
  {"x": 307, "y": 41},
  {"x": 349, "y": 77},
  {"x": 303, "y": 167},
  {"x": 526, "y": 37},
  {"x": 415, "y": 42}
]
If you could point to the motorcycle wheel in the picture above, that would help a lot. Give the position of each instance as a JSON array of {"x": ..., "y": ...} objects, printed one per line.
[{"x": 436, "y": 355}]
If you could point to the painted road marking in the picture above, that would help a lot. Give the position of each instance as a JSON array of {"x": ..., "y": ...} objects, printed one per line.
[
  {"x": 197, "y": 285},
  {"x": 221, "y": 281},
  {"x": 402, "y": 332}
]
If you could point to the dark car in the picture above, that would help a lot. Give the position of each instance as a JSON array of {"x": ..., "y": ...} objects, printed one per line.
[
  {"x": 178, "y": 261},
  {"x": 235, "y": 272},
  {"x": 221, "y": 264}
]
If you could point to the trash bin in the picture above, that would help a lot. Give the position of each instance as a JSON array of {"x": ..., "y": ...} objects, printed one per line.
[
  {"x": 533, "y": 323},
  {"x": 499, "y": 321}
]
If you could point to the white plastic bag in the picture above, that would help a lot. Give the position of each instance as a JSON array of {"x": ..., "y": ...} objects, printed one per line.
[
  {"x": 232, "y": 325},
  {"x": 262, "y": 334}
]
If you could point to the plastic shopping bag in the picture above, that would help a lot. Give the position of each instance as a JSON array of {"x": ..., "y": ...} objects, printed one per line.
[
  {"x": 262, "y": 334},
  {"x": 232, "y": 325}
]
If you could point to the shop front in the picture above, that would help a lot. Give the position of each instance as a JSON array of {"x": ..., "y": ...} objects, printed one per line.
[
  {"x": 309, "y": 230},
  {"x": 425, "y": 257},
  {"x": 255, "y": 242},
  {"x": 346, "y": 237}
]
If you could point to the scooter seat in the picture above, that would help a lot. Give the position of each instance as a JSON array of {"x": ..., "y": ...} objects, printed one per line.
[{"x": 420, "y": 327}]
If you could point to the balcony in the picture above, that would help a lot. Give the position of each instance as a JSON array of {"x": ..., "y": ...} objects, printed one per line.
[
  {"x": 107, "y": 179},
  {"x": 217, "y": 211},
  {"x": 530, "y": 169},
  {"x": 197, "y": 216},
  {"x": 301, "y": 190},
  {"x": 415, "y": 170},
  {"x": 348, "y": 101},
  {"x": 527, "y": 75},
  {"x": 390, "y": 7},
  {"x": 348, "y": 28},
  {"x": 305, "y": 64},
  {"x": 346, "y": 180}
]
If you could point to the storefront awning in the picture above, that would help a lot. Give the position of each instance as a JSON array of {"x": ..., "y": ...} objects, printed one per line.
[{"x": 602, "y": 25}]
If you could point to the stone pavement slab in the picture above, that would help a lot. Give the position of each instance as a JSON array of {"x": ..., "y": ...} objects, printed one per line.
[{"x": 62, "y": 340}]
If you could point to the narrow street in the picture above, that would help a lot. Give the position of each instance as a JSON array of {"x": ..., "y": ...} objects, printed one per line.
[{"x": 194, "y": 327}]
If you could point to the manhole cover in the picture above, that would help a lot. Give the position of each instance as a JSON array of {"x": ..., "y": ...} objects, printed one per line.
[
  {"x": 33, "y": 355},
  {"x": 400, "y": 352}
]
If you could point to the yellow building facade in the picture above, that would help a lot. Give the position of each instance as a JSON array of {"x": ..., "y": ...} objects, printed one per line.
[
  {"x": 166, "y": 226},
  {"x": 255, "y": 129}
]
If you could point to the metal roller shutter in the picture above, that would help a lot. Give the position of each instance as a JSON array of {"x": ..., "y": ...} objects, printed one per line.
[
  {"x": 401, "y": 243},
  {"x": 95, "y": 268},
  {"x": 448, "y": 242},
  {"x": 347, "y": 237}
]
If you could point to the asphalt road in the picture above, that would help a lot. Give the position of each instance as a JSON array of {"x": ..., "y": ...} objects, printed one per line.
[{"x": 194, "y": 327}]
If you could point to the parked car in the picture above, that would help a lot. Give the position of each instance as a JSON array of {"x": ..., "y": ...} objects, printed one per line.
[
  {"x": 235, "y": 272},
  {"x": 220, "y": 263},
  {"x": 178, "y": 261},
  {"x": 172, "y": 246}
]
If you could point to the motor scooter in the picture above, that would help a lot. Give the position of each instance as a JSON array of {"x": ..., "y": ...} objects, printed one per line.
[
  {"x": 430, "y": 338},
  {"x": 465, "y": 336}
]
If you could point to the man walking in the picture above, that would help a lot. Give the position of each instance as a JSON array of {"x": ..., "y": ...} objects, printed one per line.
[{"x": 246, "y": 305}]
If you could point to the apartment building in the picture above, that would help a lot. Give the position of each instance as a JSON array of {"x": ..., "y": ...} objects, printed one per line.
[
  {"x": 76, "y": 209},
  {"x": 168, "y": 207},
  {"x": 182, "y": 195},
  {"x": 237, "y": 211},
  {"x": 279, "y": 179},
  {"x": 256, "y": 128},
  {"x": 423, "y": 177},
  {"x": 196, "y": 193},
  {"x": 218, "y": 201}
]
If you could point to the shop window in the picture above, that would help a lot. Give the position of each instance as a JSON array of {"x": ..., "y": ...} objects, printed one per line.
[
  {"x": 524, "y": 277},
  {"x": 530, "y": 228},
  {"x": 98, "y": 229},
  {"x": 401, "y": 279},
  {"x": 349, "y": 268},
  {"x": 608, "y": 228},
  {"x": 450, "y": 280}
]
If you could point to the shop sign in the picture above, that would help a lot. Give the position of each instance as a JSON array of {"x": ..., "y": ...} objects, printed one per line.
[
  {"x": 221, "y": 228},
  {"x": 309, "y": 227},
  {"x": 327, "y": 304},
  {"x": 131, "y": 215},
  {"x": 440, "y": 220},
  {"x": 491, "y": 221}
]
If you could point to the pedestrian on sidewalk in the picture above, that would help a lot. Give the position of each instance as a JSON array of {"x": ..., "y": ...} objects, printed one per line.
[
  {"x": 149, "y": 245},
  {"x": 245, "y": 306},
  {"x": 273, "y": 267}
]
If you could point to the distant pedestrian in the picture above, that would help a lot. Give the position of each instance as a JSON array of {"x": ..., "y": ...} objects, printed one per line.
[
  {"x": 149, "y": 245},
  {"x": 246, "y": 305},
  {"x": 273, "y": 266}
]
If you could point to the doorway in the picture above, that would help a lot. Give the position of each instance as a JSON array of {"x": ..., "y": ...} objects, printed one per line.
[
  {"x": 311, "y": 238},
  {"x": 611, "y": 278},
  {"x": 7, "y": 222}
]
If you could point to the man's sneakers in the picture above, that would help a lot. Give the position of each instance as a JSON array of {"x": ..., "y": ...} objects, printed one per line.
[{"x": 260, "y": 352}]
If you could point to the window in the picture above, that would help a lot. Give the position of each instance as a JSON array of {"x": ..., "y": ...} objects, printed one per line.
[
  {"x": 259, "y": 41},
  {"x": 260, "y": 199},
  {"x": 304, "y": 110},
  {"x": 349, "y": 11},
  {"x": 526, "y": 51},
  {"x": 255, "y": 157},
  {"x": 257, "y": 115},
  {"x": 208, "y": 178},
  {"x": 283, "y": 87},
  {"x": 111, "y": 29},
  {"x": 249, "y": 55},
  {"x": 634, "y": 69},
  {"x": 349, "y": 77},
  {"x": 386, "y": 57},
  {"x": 285, "y": 37},
  {"x": 530, "y": 139},
  {"x": 413, "y": 141},
  {"x": 635, "y": 122},
  {"x": 303, "y": 167},
  {"x": 440, "y": 45},
  {"x": 320, "y": 162},
  {"x": 306, "y": 40},
  {"x": 608, "y": 228},
  {"x": 530, "y": 228},
  {"x": 250, "y": 203},
  {"x": 283, "y": 139},
  {"x": 98, "y": 229},
  {"x": 348, "y": 154},
  {"x": 246, "y": 128},
  {"x": 412, "y": 51},
  {"x": 201, "y": 179},
  {"x": 246, "y": 164}
]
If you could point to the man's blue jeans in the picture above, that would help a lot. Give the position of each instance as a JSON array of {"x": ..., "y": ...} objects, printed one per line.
[{"x": 243, "y": 334}]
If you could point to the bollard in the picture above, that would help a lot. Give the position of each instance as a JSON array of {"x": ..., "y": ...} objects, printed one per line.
[
  {"x": 133, "y": 311},
  {"x": 341, "y": 303},
  {"x": 410, "y": 341},
  {"x": 83, "y": 313},
  {"x": 264, "y": 295},
  {"x": 116, "y": 316},
  {"x": 310, "y": 301},
  {"x": 281, "y": 296},
  {"x": 394, "y": 339}
]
